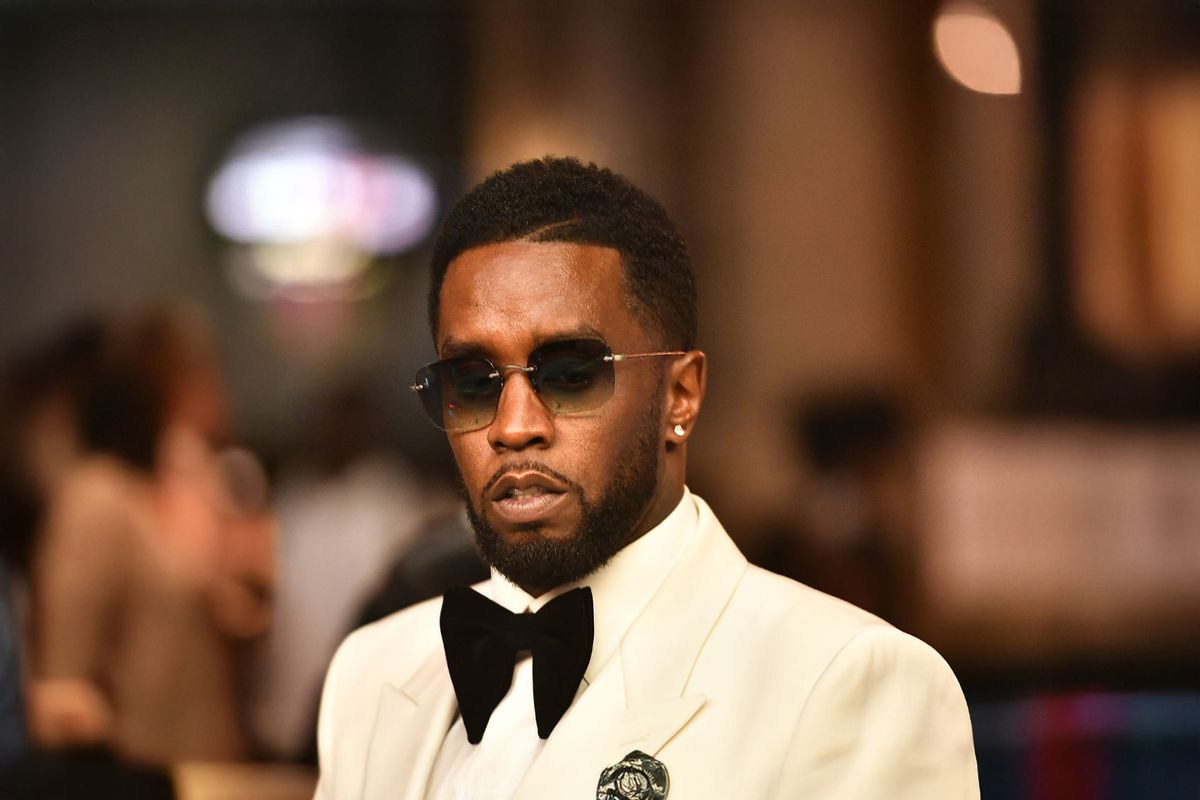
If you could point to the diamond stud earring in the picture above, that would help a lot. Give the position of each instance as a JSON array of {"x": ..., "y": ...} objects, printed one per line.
[{"x": 679, "y": 431}]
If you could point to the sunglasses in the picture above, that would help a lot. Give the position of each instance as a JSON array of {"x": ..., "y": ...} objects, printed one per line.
[{"x": 572, "y": 376}]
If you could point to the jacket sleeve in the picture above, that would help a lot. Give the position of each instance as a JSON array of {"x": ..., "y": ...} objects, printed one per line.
[{"x": 885, "y": 719}]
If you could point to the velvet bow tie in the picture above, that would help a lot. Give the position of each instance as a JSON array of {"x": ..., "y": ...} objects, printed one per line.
[{"x": 482, "y": 640}]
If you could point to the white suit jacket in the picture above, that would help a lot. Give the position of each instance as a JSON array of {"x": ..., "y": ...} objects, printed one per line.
[{"x": 742, "y": 683}]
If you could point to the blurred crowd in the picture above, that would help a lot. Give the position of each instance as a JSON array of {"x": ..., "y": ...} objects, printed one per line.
[{"x": 160, "y": 603}]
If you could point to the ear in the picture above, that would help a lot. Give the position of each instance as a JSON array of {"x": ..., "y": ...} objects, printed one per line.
[{"x": 685, "y": 392}]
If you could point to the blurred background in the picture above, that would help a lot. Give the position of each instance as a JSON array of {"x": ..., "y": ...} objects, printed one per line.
[{"x": 949, "y": 263}]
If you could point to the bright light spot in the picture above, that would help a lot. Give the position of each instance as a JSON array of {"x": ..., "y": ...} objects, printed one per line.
[
  {"x": 318, "y": 271},
  {"x": 977, "y": 50},
  {"x": 313, "y": 205}
]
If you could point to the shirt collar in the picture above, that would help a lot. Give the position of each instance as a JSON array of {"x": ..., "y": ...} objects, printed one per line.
[{"x": 622, "y": 587}]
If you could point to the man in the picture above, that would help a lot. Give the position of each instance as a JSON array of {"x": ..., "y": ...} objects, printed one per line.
[{"x": 563, "y": 313}]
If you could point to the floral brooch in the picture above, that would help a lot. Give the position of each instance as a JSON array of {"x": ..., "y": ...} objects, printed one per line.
[{"x": 637, "y": 776}]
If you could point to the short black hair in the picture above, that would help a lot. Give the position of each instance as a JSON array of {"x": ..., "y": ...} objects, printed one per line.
[{"x": 564, "y": 200}]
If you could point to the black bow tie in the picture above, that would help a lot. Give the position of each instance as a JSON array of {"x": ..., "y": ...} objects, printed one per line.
[{"x": 482, "y": 640}]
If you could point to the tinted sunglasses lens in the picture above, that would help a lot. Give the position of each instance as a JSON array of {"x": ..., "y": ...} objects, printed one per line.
[
  {"x": 574, "y": 375},
  {"x": 461, "y": 393}
]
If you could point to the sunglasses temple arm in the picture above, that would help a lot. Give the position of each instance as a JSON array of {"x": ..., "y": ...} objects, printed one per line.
[{"x": 625, "y": 356}]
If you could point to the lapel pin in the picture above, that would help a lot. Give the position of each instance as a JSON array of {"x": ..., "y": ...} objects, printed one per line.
[{"x": 637, "y": 776}]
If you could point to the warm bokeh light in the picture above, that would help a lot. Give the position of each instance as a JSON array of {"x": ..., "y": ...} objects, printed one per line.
[
  {"x": 977, "y": 50},
  {"x": 312, "y": 204}
]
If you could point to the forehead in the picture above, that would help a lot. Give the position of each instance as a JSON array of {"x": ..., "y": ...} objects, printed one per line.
[{"x": 518, "y": 294}]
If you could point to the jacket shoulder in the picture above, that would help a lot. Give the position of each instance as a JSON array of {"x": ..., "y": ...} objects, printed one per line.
[
  {"x": 790, "y": 601},
  {"x": 798, "y": 625},
  {"x": 879, "y": 712}
]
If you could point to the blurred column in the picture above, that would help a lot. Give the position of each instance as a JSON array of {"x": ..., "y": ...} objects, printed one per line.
[
  {"x": 807, "y": 180},
  {"x": 1135, "y": 197},
  {"x": 984, "y": 161},
  {"x": 593, "y": 80}
]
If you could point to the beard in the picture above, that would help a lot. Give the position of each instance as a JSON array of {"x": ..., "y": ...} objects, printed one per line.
[{"x": 604, "y": 528}]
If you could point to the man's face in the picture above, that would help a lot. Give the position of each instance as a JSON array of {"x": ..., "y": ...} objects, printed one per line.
[{"x": 552, "y": 497}]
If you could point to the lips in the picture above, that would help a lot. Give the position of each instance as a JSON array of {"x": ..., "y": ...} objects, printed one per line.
[{"x": 521, "y": 498}]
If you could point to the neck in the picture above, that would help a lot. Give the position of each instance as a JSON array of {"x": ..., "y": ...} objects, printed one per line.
[{"x": 660, "y": 508}]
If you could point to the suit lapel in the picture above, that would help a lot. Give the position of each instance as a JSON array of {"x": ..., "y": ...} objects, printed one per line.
[
  {"x": 649, "y": 727},
  {"x": 410, "y": 724},
  {"x": 661, "y": 647},
  {"x": 637, "y": 701}
]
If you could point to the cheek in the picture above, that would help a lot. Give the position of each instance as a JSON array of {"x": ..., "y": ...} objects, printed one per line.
[
  {"x": 472, "y": 459},
  {"x": 610, "y": 441},
  {"x": 592, "y": 453}
]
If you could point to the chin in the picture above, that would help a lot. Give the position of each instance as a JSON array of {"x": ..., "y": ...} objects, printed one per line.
[
  {"x": 537, "y": 532},
  {"x": 527, "y": 535},
  {"x": 539, "y": 555}
]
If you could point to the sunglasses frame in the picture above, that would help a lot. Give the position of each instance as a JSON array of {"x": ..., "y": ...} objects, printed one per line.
[{"x": 501, "y": 373}]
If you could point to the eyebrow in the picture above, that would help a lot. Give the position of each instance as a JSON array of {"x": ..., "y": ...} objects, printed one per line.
[{"x": 453, "y": 347}]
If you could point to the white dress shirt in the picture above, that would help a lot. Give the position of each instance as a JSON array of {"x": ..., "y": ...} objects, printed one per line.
[{"x": 494, "y": 768}]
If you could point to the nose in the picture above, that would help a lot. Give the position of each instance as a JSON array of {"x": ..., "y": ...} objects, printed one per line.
[{"x": 522, "y": 420}]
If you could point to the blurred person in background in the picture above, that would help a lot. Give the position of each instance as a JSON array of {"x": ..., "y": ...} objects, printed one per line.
[
  {"x": 150, "y": 566},
  {"x": 348, "y": 508},
  {"x": 39, "y": 442},
  {"x": 443, "y": 556},
  {"x": 40, "y": 436},
  {"x": 845, "y": 533}
]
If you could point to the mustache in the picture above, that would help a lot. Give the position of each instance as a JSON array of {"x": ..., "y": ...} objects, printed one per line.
[{"x": 529, "y": 466}]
